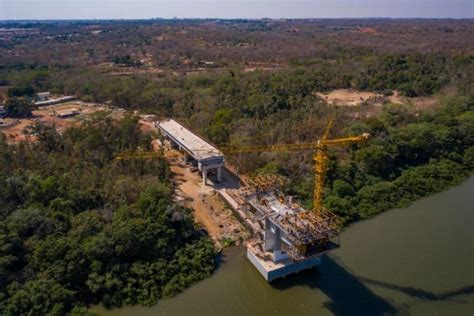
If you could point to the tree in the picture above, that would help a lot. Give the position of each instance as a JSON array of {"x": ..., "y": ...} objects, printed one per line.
[
  {"x": 341, "y": 188},
  {"x": 39, "y": 297},
  {"x": 468, "y": 158},
  {"x": 375, "y": 160},
  {"x": 21, "y": 91},
  {"x": 18, "y": 107},
  {"x": 220, "y": 128},
  {"x": 466, "y": 128},
  {"x": 79, "y": 228},
  {"x": 47, "y": 136}
]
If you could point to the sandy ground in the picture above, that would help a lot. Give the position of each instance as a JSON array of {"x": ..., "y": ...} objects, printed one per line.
[
  {"x": 348, "y": 97},
  {"x": 420, "y": 103},
  {"x": 363, "y": 104},
  {"x": 209, "y": 209},
  {"x": 253, "y": 66},
  {"x": 147, "y": 123},
  {"x": 369, "y": 30}
]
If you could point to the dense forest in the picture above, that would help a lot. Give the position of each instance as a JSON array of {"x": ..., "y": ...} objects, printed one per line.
[
  {"x": 78, "y": 227},
  {"x": 237, "y": 108},
  {"x": 407, "y": 157}
]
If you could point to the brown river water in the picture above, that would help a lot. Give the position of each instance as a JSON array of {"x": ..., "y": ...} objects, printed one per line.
[{"x": 413, "y": 261}]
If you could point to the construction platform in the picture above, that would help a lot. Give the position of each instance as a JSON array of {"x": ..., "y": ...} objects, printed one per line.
[
  {"x": 272, "y": 270},
  {"x": 275, "y": 270},
  {"x": 287, "y": 238},
  {"x": 206, "y": 157}
]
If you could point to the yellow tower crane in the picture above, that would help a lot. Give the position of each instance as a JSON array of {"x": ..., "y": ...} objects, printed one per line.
[{"x": 320, "y": 157}]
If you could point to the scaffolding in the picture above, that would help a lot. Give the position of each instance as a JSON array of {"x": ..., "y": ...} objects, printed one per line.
[{"x": 304, "y": 232}]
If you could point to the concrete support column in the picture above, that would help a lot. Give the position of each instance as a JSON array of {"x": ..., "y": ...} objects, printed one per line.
[
  {"x": 204, "y": 176},
  {"x": 277, "y": 253},
  {"x": 277, "y": 239},
  {"x": 219, "y": 174},
  {"x": 269, "y": 236}
]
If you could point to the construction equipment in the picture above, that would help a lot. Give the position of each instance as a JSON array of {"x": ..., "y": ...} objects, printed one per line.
[
  {"x": 320, "y": 158},
  {"x": 265, "y": 182}
]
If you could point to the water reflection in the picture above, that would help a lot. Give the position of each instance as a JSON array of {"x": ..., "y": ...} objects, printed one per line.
[
  {"x": 388, "y": 265},
  {"x": 347, "y": 294},
  {"x": 421, "y": 294}
]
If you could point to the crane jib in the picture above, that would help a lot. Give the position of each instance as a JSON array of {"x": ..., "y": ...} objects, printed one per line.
[{"x": 320, "y": 156}]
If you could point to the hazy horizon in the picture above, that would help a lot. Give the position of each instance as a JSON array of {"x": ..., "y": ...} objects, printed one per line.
[{"x": 232, "y": 9}]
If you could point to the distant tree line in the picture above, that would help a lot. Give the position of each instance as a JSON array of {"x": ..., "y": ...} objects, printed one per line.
[
  {"x": 126, "y": 60},
  {"x": 241, "y": 108}
]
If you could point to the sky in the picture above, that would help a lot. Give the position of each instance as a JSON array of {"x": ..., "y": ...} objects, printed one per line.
[{"x": 145, "y": 9}]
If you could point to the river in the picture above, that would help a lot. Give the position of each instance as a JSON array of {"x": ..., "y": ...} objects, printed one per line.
[{"x": 417, "y": 261}]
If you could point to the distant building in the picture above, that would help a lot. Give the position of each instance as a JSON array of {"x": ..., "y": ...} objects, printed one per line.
[
  {"x": 43, "y": 96},
  {"x": 67, "y": 113},
  {"x": 56, "y": 101}
]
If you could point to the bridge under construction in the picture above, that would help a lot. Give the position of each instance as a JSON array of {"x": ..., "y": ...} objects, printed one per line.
[{"x": 287, "y": 238}]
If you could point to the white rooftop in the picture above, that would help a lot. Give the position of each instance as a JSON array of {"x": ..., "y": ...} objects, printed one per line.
[
  {"x": 57, "y": 100},
  {"x": 197, "y": 147}
]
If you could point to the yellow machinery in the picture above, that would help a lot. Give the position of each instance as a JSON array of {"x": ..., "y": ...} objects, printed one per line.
[{"x": 320, "y": 157}]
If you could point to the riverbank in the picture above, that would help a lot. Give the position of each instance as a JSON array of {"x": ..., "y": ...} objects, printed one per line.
[{"x": 416, "y": 260}]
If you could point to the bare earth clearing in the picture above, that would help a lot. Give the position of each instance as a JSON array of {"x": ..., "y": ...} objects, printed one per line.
[
  {"x": 209, "y": 209},
  {"x": 352, "y": 98},
  {"x": 347, "y": 97},
  {"x": 13, "y": 128},
  {"x": 362, "y": 104}
]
